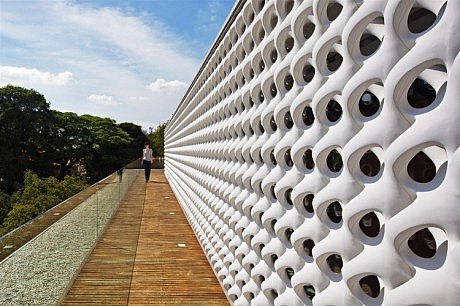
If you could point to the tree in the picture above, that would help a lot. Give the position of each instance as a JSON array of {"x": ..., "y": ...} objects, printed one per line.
[
  {"x": 5, "y": 205},
  {"x": 132, "y": 150},
  {"x": 25, "y": 123},
  {"x": 38, "y": 196},
  {"x": 105, "y": 142},
  {"x": 71, "y": 141},
  {"x": 157, "y": 140}
]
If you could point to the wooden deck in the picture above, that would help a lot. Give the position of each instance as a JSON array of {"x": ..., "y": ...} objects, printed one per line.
[{"x": 141, "y": 260}]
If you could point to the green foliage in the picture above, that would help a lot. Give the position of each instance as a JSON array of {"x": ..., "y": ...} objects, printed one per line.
[
  {"x": 5, "y": 205},
  {"x": 37, "y": 197},
  {"x": 111, "y": 146},
  {"x": 70, "y": 141},
  {"x": 157, "y": 140},
  {"x": 25, "y": 123},
  {"x": 54, "y": 144}
]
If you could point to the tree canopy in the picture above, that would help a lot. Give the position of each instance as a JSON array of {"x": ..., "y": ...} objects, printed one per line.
[
  {"x": 37, "y": 196},
  {"x": 156, "y": 139},
  {"x": 25, "y": 123},
  {"x": 40, "y": 148},
  {"x": 52, "y": 143}
]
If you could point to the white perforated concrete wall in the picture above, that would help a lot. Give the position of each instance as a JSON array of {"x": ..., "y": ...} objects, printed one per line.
[{"x": 316, "y": 153}]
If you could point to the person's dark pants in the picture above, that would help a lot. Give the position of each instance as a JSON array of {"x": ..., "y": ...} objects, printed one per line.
[{"x": 147, "y": 166}]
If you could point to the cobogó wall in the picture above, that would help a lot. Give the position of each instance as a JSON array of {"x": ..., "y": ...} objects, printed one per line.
[{"x": 316, "y": 153}]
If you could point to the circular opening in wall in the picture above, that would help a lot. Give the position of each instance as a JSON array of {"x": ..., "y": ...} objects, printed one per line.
[
  {"x": 288, "y": 122},
  {"x": 261, "y": 96},
  {"x": 421, "y": 168},
  {"x": 335, "y": 263},
  {"x": 333, "y": 10},
  {"x": 307, "y": 116},
  {"x": 307, "y": 159},
  {"x": 288, "y": 159},
  {"x": 368, "y": 44},
  {"x": 420, "y": 19},
  {"x": 308, "y": 72},
  {"x": 308, "y": 29},
  {"x": 251, "y": 15},
  {"x": 261, "y": 247},
  {"x": 260, "y": 279},
  {"x": 261, "y": 65},
  {"x": 273, "y": 21},
  {"x": 288, "y": 197},
  {"x": 334, "y": 161},
  {"x": 288, "y": 233},
  {"x": 272, "y": 191},
  {"x": 308, "y": 246},
  {"x": 288, "y": 82},
  {"x": 258, "y": 217},
  {"x": 273, "y": 294},
  {"x": 369, "y": 164},
  {"x": 334, "y": 212},
  {"x": 289, "y": 44},
  {"x": 273, "y": 258},
  {"x": 370, "y": 285},
  {"x": 243, "y": 28},
  {"x": 261, "y": 34},
  {"x": 272, "y": 224},
  {"x": 333, "y": 111},
  {"x": 420, "y": 94},
  {"x": 288, "y": 5},
  {"x": 250, "y": 296},
  {"x": 369, "y": 104},
  {"x": 289, "y": 272},
  {"x": 260, "y": 159},
  {"x": 308, "y": 203},
  {"x": 261, "y": 128},
  {"x": 273, "y": 125},
  {"x": 274, "y": 55},
  {"x": 333, "y": 61},
  {"x": 370, "y": 224},
  {"x": 261, "y": 5},
  {"x": 309, "y": 291},
  {"x": 422, "y": 243},
  {"x": 272, "y": 158},
  {"x": 273, "y": 90}
]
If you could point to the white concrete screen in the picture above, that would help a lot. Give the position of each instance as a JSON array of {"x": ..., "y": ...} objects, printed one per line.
[{"x": 316, "y": 153}]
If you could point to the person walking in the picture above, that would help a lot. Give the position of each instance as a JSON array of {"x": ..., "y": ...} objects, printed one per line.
[{"x": 147, "y": 160}]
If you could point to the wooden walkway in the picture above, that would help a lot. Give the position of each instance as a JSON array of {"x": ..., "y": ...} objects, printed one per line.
[{"x": 141, "y": 258}]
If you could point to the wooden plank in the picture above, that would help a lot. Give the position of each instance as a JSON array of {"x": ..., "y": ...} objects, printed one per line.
[{"x": 138, "y": 260}]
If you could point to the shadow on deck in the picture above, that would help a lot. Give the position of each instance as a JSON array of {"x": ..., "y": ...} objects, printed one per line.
[{"x": 147, "y": 255}]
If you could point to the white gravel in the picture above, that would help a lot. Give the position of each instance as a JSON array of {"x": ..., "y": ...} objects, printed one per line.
[{"x": 40, "y": 272}]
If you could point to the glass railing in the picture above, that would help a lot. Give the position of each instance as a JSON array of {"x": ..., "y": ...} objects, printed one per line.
[{"x": 41, "y": 258}]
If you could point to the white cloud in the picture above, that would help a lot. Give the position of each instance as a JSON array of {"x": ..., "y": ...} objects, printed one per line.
[
  {"x": 161, "y": 85},
  {"x": 207, "y": 17},
  {"x": 104, "y": 56},
  {"x": 103, "y": 99},
  {"x": 25, "y": 76},
  {"x": 128, "y": 36},
  {"x": 136, "y": 98}
]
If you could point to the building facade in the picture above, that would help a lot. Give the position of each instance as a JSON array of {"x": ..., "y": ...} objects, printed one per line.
[{"x": 316, "y": 153}]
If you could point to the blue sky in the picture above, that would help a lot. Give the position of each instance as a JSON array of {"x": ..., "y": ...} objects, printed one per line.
[{"x": 129, "y": 60}]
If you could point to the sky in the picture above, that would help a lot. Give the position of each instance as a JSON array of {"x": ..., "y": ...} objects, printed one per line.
[{"x": 129, "y": 60}]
